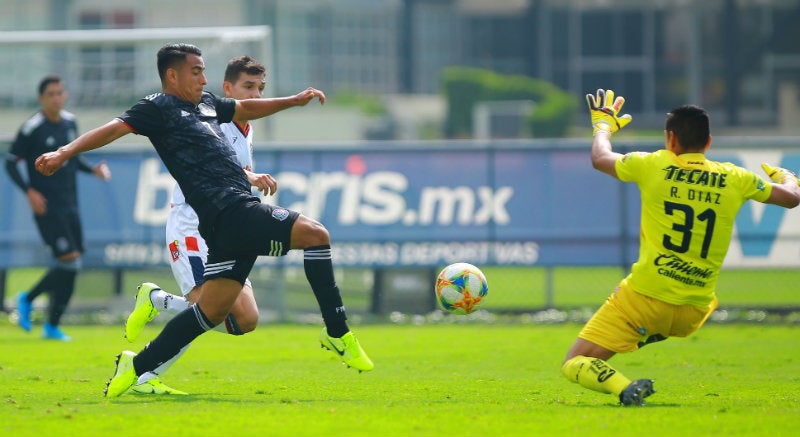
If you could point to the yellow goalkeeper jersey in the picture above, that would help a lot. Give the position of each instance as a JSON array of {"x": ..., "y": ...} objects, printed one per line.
[{"x": 689, "y": 205}]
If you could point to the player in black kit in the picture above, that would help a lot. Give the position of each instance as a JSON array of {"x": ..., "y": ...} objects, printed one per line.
[
  {"x": 53, "y": 200},
  {"x": 182, "y": 123}
]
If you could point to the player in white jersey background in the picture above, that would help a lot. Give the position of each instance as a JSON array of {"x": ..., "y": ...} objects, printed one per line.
[{"x": 244, "y": 78}]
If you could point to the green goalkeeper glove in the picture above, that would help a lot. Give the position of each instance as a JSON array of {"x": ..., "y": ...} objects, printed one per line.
[
  {"x": 604, "y": 109},
  {"x": 779, "y": 174}
]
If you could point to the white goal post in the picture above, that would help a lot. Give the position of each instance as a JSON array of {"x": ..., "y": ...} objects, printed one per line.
[{"x": 116, "y": 67}]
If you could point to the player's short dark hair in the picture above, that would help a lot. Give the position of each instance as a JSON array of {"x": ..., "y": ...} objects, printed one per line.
[
  {"x": 172, "y": 55},
  {"x": 243, "y": 64},
  {"x": 50, "y": 78},
  {"x": 691, "y": 125}
]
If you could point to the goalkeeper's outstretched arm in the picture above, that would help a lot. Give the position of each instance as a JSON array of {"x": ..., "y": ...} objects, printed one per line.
[
  {"x": 785, "y": 187},
  {"x": 603, "y": 157},
  {"x": 604, "y": 111}
]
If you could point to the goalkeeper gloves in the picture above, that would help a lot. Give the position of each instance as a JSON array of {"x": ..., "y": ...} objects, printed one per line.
[
  {"x": 604, "y": 109},
  {"x": 779, "y": 175}
]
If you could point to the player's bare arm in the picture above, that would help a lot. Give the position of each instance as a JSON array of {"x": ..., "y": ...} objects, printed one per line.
[
  {"x": 603, "y": 157},
  {"x": 263, "y": 182},
  {"x": 786, "y": 187},
  {"x": 251, "y": 109},
  {"x": 49, "y": 163}
]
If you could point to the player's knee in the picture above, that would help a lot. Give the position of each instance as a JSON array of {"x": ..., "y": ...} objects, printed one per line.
[
  {"x": 213, "y": 313},
  {"x": 241, "y": 324},
  {"x": 248, "y": 323},
  {"x": 317, "y": 233},
  {"x": 308, "y": 232},
  {"x": 247, "y": 327}
]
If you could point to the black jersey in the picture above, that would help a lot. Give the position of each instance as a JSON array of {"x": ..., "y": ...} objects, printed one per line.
[
  {"x": 191, "y": 145},
  {"x": 39, "y": 135}
]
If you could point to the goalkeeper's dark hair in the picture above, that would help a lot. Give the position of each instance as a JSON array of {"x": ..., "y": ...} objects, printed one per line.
[
  {"x": 50, "y": 78},
  {"x": 243, "y": 64},
  {"x": 172, "y": 55},
  {"x": 691, "y": 126}
]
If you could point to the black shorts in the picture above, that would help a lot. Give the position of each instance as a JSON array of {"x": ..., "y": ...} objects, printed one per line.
[
  {"x": 241, "y": 233},
  {"x": 61, "y": 230}
]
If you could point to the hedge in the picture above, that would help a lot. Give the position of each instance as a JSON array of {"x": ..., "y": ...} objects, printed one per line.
[{"x": 463, "y": 87}]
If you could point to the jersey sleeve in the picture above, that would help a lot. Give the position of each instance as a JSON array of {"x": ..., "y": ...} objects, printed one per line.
[
  {"x": 19, "y": 145},
  {"x": 225, "y": 108},
  {"x": 84, "y": 165},
  {"x": 16, "y": 153},
  {"x": 629, "y": 166},
  {"x": 145, "y": 118},
  {"x": 754, "y": 187},
  {"x": 13, "y": 172}
]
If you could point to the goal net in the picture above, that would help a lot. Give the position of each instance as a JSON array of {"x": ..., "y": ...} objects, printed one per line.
[{"x": 114, "y": 67}]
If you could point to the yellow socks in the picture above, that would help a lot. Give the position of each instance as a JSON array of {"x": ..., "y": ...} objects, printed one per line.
[{"x": 594, "y": 374}]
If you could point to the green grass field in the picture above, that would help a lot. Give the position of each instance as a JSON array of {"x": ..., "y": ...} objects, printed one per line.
[
  {"x": 510, "y": 288},
  {"x": 460, "y": 379}
]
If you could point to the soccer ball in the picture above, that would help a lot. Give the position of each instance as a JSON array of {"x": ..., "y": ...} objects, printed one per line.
[{"x": 460, "y": 288}]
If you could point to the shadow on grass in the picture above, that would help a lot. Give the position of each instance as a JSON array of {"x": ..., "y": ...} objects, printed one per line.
[
  {"x": 648, "y": 405},
  {"x": 232, "y": 398}
]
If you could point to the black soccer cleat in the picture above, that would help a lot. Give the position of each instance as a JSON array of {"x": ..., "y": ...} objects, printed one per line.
[{"x": 636, "y": 391}]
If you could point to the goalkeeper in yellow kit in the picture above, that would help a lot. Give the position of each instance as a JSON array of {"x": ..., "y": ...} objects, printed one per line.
[{"x": 689, "y": 204}]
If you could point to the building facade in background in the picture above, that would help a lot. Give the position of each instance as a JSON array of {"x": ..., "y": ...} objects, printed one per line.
[{"x": 739, "y": 58}]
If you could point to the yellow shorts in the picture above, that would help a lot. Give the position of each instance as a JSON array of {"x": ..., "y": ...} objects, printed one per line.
[{"x": 629, "y": 320}]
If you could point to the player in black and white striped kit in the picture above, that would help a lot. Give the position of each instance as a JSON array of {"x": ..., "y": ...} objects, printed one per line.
[{"x": 182, "y": 123}]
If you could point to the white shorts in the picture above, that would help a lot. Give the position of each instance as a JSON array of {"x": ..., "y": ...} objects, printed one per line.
[{"x": 188, "y": 250}]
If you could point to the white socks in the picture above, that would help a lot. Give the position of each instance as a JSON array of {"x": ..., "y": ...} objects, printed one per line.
[
  {"x": 174, "y": 304},
  {"x": 168, "y": 302}
]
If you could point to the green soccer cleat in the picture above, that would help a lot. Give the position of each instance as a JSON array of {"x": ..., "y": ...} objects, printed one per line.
[
  {"x": 124, "y": 377},
  {"x": 155, "y": 387},
  {"x": 142, "y": 313},
  {"x": 636, "y": 391},
  {"x": 349, "y": 350}
]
